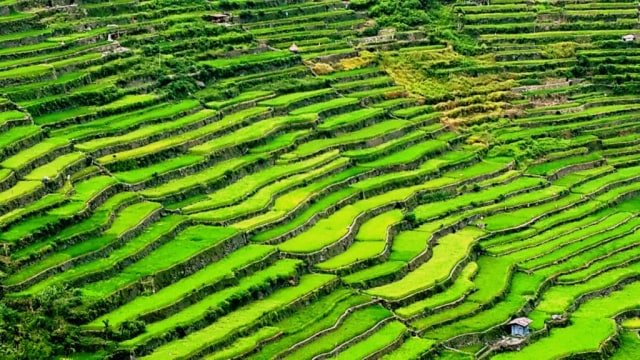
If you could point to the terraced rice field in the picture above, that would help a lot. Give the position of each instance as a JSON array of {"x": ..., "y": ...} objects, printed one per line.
[{"x": 178, "y": 181}]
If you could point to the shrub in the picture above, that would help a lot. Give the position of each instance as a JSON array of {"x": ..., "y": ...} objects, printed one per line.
[
  {"x": 410, "y": 218},
  {"x": 322, "y": 69},
  {"x": 129, "y": 329}
]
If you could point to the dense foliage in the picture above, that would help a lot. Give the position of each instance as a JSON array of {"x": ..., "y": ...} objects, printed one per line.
[
  {"x": 41, "y": 332},
  {"x": 201, "y": 188},
  {"x": 438, "y": 17},
  {"x": 409, "y": 13}
]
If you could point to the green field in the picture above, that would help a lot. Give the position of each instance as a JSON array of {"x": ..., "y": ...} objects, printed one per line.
[{"x": 366, "y": 179}]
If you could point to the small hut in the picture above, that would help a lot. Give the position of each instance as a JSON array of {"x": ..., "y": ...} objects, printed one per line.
[
  {"x": 628, "y": 38},
  {"x": 113, "y": 34},
  {"x": 520, "y": 326},
  {"x": 294, "y": 48},
  {"x": 219, "y": 18}
]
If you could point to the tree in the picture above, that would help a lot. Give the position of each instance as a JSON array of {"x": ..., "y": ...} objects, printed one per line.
[{"x": 106, "y": 332}]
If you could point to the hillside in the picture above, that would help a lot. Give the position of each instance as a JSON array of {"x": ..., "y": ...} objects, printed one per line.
[{"x": 297, "y": 179}]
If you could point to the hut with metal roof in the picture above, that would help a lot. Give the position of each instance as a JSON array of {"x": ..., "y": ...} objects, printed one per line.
[{"x": 520, "y": 326}]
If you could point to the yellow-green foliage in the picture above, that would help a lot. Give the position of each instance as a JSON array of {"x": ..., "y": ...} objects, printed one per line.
[
  {"x": 413, "y": 74},
  {"x": 322, "y": 69},
  {"x": 559, "y": 50},
  {"x": 365, "y": 58}
]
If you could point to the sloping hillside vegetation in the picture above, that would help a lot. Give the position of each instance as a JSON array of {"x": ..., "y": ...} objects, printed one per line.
[{"x": 297, "y": 179}]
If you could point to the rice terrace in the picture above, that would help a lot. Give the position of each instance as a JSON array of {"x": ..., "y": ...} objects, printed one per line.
[{"x": 314, "y": 179}]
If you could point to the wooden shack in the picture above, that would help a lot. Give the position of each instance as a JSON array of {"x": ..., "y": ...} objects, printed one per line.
[
  {"x": 220, "y": 18},
  {"x": 520, "y": 326}
]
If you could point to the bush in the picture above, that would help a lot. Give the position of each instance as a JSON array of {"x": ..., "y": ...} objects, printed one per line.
[
  {"x": 129, "y": 329},
  {"x": 178, "y": 88},
  {"x": 410, "y": 218},
  {"x": 322, "y": 69},
  {"x": 245, "y": 15},
  {"x": 436, "y": 196}
]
